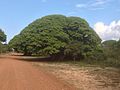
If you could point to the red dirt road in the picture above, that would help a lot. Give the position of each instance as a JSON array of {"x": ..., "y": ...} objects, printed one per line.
[{"x": 20, "y": 75}]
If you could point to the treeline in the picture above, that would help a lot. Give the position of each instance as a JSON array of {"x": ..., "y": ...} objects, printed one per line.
[{"x": 59, "y": 37}]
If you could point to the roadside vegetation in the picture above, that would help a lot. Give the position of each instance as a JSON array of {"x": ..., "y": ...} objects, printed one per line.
[{"x": 112, "y": 52}]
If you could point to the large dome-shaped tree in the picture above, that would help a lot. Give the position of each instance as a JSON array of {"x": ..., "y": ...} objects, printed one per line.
[{"x": 57, "y": 35}]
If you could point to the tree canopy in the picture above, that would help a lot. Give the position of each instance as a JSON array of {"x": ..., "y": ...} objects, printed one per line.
[{"x": 57, "y": 35}]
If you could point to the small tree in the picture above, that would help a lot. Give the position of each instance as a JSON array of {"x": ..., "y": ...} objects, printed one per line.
[{"x": 2, "y": 39}]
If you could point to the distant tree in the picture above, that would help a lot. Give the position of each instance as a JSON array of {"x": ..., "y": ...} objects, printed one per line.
[
  {"x": 112, "y": 52},
  {"x": 109, "y": 47},
  {"x": 109, "y": 43},
  {"x": 117, "y": 50},
  {"x": 2, "y": 39},
  {"x": 2, "y": 36}
]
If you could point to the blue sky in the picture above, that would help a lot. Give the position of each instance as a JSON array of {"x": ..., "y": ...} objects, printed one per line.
[{"x": 101, "y": 14}]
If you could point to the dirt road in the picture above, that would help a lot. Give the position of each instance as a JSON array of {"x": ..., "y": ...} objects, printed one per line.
[{"x": 20, "y": 75}]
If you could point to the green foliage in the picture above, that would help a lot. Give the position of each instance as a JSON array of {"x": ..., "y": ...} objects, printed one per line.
[
  {"x": 109, "y": 48},
  {"x": 109, "y": 43},
  {"x": 58, "y": 36},
  {"x": 83, "y": 40},
  {"x": 3, "y": 47},
  {"x": 112, "y": 52}
]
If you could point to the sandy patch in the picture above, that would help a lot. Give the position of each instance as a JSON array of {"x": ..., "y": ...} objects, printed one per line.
[{"x": 85, "y": 78}]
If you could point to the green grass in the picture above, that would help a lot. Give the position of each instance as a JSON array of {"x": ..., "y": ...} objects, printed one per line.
[
  {"x": 110, "y": 62},
  {"x": 93, "y": 63}
]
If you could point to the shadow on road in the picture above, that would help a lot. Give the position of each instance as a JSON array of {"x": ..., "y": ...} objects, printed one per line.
[{"x": 34, "y": 59}]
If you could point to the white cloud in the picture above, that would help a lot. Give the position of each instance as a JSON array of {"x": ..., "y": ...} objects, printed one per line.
[
  {"x": 99, "y": 2},
  {"x": 81, "y": 5},
  {"x": 94, "y": 5},
  {"x": 97, "y": 8},
  {"x": 108, "y": 32}
]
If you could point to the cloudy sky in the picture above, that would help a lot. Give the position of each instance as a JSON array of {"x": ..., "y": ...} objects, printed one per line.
[{"x": 102, "y": 15}]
